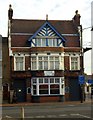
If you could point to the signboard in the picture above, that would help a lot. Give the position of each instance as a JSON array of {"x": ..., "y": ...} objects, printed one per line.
[
  {"x": 81, "y": 79},
  {"x": 48, "y": 73},
  {"x": 90, "y": 81}
]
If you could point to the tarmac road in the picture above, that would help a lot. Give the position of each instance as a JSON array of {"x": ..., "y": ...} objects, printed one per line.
[{"x": 49, "y": 110}]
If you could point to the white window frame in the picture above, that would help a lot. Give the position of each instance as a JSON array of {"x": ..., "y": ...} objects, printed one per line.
[
  {"x": 60, "y": 62},
  {"x": 54, "y": 42},
  {"x": 78, "y": 62},
  {"x": 61, "y": 83},
  {"x": 15, "y": 69}
]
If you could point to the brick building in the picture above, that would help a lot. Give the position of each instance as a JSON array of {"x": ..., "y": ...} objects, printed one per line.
[{"x": 45, "y": 59}]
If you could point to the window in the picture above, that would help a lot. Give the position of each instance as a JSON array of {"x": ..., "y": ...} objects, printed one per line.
[
  {"x": 28, "y": 90},
  {"x": 33, "y": 59},
  {"x": 47, "y": 63},
  {"x": 19, "y": 64},
  {"x": 74, "y": 63},
  {"x": 43, "y": 89},
  {"x": 44, "y": 42},
  {"x": 47, "y": 86}
]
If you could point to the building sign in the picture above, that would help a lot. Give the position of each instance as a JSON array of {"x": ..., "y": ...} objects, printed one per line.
[
  {"x": 48, "y": 73},
  {"x": 81, "y": 79}
]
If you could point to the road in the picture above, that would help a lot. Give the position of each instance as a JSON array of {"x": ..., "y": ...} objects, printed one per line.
[{"x": 49, "y": 110}]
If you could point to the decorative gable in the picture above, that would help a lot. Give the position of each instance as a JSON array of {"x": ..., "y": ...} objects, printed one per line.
[{"x": 46, "y": 35}]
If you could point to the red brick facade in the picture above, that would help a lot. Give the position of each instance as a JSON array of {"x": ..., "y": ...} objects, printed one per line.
[{"x": 56, "y": 80}]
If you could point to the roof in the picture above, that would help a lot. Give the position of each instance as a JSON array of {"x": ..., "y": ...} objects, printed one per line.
[
  {"x": 31, "y": 26},
  {"x": 26, "y": 28}
]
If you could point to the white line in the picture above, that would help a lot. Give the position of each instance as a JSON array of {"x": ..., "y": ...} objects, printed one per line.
[
  {"x": 8, "y": 116},
  {"x": 39, "y": 116},
  {"x": 62, "y": 115},
  {"x": 74, "y": 114},
  {"x": 71, "y": 105},
  {"x": 84, "y": 116},
  {"x": 51, "y": 116}
]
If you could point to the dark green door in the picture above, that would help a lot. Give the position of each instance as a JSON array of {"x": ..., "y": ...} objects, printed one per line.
[
  {"x": 74, "y": 89},
  {"x": 20, "y": 88}
]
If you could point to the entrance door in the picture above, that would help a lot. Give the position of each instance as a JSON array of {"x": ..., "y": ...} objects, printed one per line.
[
  {"x": 20, "y": 88},
  {"x": 74, "y": 89}
]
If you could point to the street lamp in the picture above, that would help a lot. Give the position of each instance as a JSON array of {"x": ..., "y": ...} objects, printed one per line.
[{"x": 82, "y": 51}]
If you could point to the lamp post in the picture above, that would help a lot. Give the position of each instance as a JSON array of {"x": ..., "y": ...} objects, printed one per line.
[{"x": 81, "y": 77}]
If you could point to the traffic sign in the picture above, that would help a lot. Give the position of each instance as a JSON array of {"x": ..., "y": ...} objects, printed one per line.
[
  {"x": 90, "y": 81},
  {"x": 81, "y": 79}
]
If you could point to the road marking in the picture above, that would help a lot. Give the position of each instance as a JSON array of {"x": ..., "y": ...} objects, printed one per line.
[
  {"x": 71, "y": 105},
  {"x": 51, "y": 116},
  {"x": 84, "y": 116},
  {"x": 62, "y": 115},
  {"x": 8, "y": 116},
  {"x": 40, "y": 117},
  {"x": 74, "y": 114}
]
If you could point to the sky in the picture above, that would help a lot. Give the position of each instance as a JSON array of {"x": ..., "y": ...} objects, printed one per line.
[{"x": 56, "y": 10}]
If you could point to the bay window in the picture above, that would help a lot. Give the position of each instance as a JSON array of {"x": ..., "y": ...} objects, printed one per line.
[{"x": 47, "y": 86}]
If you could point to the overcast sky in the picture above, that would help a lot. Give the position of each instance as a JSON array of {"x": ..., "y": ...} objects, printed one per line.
[{"x": 56, "y": 10}]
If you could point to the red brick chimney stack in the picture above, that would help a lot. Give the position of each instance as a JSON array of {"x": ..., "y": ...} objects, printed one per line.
[{"x": 76, "y": 18}]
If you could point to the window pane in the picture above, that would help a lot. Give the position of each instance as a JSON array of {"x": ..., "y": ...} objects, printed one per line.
[
  {"x": 50, "y": 42},
  {"x": 19, "y": 63},
  {"x": 43, "y": 42},
  {"x": 74, "y": 63},
  {"x": 38, "y": 42},
  {"x": 54, "y": 89},
  {"x": 34, "y": 80},
  {"x": 40, "y": 80},
  {"x": 56, "y": 65},
  {"x": 46, "y": 80},
  {"x": 57, "y": 80},
  {"x": 54, "y": 42},
  {"x": 51, "y": 80},
  {"x": 34, "y": 89},
  {"x": 43, "y": 89}
]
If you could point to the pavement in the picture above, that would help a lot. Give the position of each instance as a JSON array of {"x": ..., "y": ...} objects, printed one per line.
[{"x": 47, "y": 103}]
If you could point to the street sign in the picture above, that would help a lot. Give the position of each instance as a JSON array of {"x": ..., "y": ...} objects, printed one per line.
[
  {"x": 90, "y": 81},
  {"x": 81, "y": 79}
]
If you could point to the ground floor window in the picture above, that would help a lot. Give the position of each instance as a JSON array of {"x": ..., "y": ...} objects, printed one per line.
[{"x": 47, "y": 86}]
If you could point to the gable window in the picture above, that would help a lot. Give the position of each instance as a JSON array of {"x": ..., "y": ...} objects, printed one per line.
[
  {"x": 19, "y": 64},
  {"x": 74, "y": 63}
]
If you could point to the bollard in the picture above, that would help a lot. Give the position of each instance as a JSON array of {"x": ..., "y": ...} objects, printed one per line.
[{"x": 22, "y": 113}]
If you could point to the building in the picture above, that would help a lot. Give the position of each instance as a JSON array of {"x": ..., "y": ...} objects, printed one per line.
[
  {"x": 92, "y": 38},
  {"x": 0, "y": 69},
  {"x": 45, "y": 59},
  {"x": 5, "y": 70}
]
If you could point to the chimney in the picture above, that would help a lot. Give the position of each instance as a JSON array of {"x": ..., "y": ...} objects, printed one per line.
[
  {"x": 76, "y": 18},
  {"x": 46, "y": 16},
  {"x": 10, "y": 12}
]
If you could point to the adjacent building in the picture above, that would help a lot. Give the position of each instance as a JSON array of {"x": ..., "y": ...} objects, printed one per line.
[{"x": 45, "y": 59}]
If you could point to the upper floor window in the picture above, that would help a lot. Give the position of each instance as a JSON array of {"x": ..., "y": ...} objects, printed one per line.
[
  {"x": 19, "y": 63},
  {"x": 47, "y": 63},
  {"x": 74, "y": 63}
]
